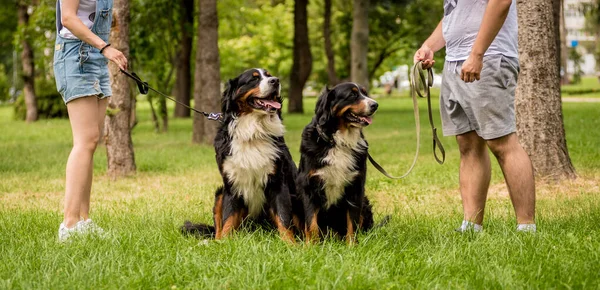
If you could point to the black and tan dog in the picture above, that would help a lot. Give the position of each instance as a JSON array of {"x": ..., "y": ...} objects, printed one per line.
[
  {"x": 331, "y": 177},
  {"x": 256, "y": 166}
]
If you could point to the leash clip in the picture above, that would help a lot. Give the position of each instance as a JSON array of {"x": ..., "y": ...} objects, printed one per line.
[{"x": 215, "y": 116}]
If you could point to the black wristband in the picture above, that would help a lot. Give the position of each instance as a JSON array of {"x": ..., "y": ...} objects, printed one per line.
[{"x": 102, "y": 50}]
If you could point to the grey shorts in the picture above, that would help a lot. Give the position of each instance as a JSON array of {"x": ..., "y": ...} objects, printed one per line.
[{"x": 486, "y": 106}]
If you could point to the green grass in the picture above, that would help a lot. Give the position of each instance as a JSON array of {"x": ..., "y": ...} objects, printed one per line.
[
  {"x": 589, "y": 87},
  {"x": 176, "y": 180}
]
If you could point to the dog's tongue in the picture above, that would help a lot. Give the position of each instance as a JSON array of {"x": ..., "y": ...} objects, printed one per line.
[
  {"x": 273, "y": 104},
  {"x": 367, "y": 120}
]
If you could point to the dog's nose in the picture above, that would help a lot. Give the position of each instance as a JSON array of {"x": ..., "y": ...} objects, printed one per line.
[
  {"x": 373, "y": 106},
  {"x": 274, "y": 81}
]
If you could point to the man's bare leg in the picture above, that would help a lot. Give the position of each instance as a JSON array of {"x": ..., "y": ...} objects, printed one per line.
[
  {"x": 475, "y": 174},
  {"x": 518, "y": 173}
]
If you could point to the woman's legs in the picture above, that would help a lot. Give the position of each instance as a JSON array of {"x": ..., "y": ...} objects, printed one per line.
[
  {"x": 84, "y": 115},
  {"x": 84, "y": 211}
]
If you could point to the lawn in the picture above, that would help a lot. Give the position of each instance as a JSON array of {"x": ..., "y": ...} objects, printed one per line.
[
  {"x": 589, "y": 87},
  {"x": 176, "y": 180}
]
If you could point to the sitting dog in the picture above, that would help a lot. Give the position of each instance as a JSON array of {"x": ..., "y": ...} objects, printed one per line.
[
  {"x": 332, "y": 170},
  {"x": 256, "y": 166}
]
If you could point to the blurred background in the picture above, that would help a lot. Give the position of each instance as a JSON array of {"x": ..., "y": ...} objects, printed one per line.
[{"x": 163, "y": 42}]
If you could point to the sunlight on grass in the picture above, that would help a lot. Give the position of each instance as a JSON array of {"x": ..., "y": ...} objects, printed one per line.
[{"x": 176, "y": 181}]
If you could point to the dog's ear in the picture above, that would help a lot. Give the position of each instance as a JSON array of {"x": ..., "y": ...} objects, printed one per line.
[
  {"x": 228, "y": 103},
  {"x": 323, "y": 107}
]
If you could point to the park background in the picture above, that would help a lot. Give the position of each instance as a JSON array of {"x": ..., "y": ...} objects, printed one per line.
[{"x": 168, "y": 174}]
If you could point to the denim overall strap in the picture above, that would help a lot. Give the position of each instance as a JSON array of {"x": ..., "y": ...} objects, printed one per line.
[
  {"x": 59, "y": 25},
  {"x": 103, "y": 19}
]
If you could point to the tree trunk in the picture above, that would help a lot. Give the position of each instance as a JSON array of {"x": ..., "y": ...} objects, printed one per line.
[
  {"x": 331, "y": 74},
  {"x": 538, "y": 103},
  {"x": 119, "y": 147},
  {"x": 28, "y": 73},
  {"x": 563, "y": 43},
  {"x": 302, "y": 65},
  {"x": 184, "y": 73},
  {"x": 556, "y": 22},
  {"x": 164, "y": 114},
  {"x": 207, "y": 89},
  {"x": 359, "y": 43}
]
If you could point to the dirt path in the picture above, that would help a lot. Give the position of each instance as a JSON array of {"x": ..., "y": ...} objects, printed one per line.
[{"x": 580, "y": 100}]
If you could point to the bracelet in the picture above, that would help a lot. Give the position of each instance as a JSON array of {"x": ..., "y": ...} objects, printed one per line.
[{"x": 102, "y": 50}]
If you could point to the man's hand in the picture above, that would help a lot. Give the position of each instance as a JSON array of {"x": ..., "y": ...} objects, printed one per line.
[
  {"x": 115, "y": 56},
  {"x": 471, "y": 68},
  {"x": 424, "y": 54}
]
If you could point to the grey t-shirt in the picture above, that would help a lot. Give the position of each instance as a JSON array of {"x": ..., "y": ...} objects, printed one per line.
[{"x": 462, "y": 19}]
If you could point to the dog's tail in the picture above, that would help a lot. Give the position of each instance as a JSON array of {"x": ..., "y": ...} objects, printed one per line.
[
  {"x": 384, "y": 221},
  {"x": 199, "y": 230},
  {"x": 368, "y": 222},
  {"x": 203, "y": 230}
]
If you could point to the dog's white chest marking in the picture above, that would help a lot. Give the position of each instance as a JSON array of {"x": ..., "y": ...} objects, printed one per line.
[
  {"x": 253, "y": 154},
  {"x": 341, "y": 164}
]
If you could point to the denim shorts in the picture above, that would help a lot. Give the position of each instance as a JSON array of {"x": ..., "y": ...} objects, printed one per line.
[
  {"x": 80, "y": 71},
  {"x": 486, "y": 106}
]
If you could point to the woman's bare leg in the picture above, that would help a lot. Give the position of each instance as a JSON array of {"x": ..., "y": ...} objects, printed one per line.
[
  {"x": 83, "y": 115},
  {"x": 85, "y": 204}
]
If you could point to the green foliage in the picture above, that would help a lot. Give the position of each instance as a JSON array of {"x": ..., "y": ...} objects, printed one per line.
[
  {"x": 49, "y": 102},
  {"x": 576, "y": 58},
  {"x": 397, "y": 30},
  {"x": 591, "y": 10},
  {"x": 154, "y": 35},
  {"x": 260, "y": 34},
  {"x": 255, "y": 34},
  {"x": 252, "y": 33},
  {"x": 8, "y": 26},
  {"x": 40, "y": 33},
  {"x": 5, "y": 84}
]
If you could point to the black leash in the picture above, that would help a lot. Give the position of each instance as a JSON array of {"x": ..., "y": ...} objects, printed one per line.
[
  {"x": 144, "y": 87},
  {"x": 417, "y": 73}
]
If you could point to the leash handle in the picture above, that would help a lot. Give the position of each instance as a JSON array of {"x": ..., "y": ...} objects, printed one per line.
[
  {"x": 143, "y": 87},
  {"x": 426, "y": 82}
]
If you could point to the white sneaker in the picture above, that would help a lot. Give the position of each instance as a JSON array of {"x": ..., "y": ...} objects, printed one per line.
[
  {"x": 91, "y": 227},
  {"x": 65, "y": 233},
  {"x": 526, "y": 228},
  {"x": 468, "y": 226}
]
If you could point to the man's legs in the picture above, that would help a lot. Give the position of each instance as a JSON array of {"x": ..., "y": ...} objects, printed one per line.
[
  {"x": 475, "y": 173},
  {"x": 518, "y": 173}
]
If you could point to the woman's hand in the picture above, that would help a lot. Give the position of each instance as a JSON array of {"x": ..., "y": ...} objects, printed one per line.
[{"x": 115, "y": 56}]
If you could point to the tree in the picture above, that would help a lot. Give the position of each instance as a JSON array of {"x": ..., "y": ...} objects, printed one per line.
[
  {"x": 563, "y": 42},
  {"x": 331, "y": 74},
  {"x": 397, "y": 29},
  {"x": 27, "y": 60},
  {"x": 119, "y": 147},
  {"x": 591, "y": 11},
  {"x": 538, "y": 102},
  {"x": 183, "y": 78},
  {"x": 208, "y": 75},
  {"x": 360, "y": 43},
  {"x": 154, "y": 50},
  {"x": 302, "y": 65}
]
